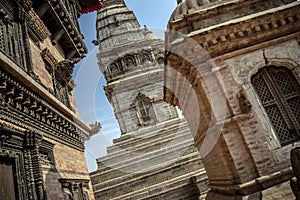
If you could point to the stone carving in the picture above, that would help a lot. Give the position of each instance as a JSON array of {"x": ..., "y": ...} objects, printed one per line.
[
  {"x": 142, "y": 106},
  {"x": 75, "y": 189},
  {"x": 243, "y": 67},
  {"x": 295, "y": 182},
  {"x": 129, "y": 62},
  {"x": 146, "y": 58},
  {"x": 161, "y": 60},
  {"x": 114, "y": 68},
  {"x": 245, "y": 105}
]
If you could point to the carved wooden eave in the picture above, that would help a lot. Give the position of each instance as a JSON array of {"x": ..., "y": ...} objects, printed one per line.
[
  {"x": 89, "y": 6},
  {"x": 70, "y": 29},
  {"x": 38, "y": 26},
  {"x": 36, "y": 108}
]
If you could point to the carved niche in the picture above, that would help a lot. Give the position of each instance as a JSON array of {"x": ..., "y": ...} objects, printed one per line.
[
  {"x": 245, "y": 105},
  {"x": 75, "y": 189},
  {"x": 129, "y": 61},
  {"x": 142, "y": 105}
]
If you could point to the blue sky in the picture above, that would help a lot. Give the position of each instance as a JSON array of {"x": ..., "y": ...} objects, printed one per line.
[{"x": 91, "y": 100}]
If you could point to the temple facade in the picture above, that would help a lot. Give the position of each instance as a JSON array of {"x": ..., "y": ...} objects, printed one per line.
[
  {"x": 237, "y": 63},
  {"x": 41, "y": 136},
  {"x": 154, "y": 158}
]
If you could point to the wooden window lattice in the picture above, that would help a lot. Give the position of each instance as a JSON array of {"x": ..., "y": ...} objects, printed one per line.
[
  {"x": 10, "y": 42},
  {"x": 279, "y": 93}
]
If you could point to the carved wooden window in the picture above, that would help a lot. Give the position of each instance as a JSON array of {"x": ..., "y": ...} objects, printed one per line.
[
  {"x": 279, "y": 93},
  {"x": 62, "y": 94},
  {"x": 10, "y": 43}
]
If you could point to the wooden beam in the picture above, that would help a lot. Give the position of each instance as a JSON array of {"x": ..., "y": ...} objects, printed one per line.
[
  {"x": 57, "y": 36},
  {"x": 71, "y": 54},
  {"x": 43, "y": 9}
]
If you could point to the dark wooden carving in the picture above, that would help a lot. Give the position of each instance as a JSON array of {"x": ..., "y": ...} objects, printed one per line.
[
  {"x": 26, "y": 109},
  {"x": 245, "y": 105},
  {"x": 7, "y": 179},
  {"x": 279, "y": 93},
  {"x": 75, "y": 189},
  {"x": 63, "y": 72},
  {"x": 21, "y": 149}
]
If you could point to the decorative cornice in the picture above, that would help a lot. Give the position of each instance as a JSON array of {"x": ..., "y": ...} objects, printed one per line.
[
  {"x": 21, "y": 107},
  {"x": 63, "y": 16},
  {"x": 246, "y": 31}
]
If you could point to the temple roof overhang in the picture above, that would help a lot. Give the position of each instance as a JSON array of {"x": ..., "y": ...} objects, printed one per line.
[{"x": 89, "y": 5}]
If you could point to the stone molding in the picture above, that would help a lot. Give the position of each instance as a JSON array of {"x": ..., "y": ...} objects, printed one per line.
[{"x": 284, "y": 21}]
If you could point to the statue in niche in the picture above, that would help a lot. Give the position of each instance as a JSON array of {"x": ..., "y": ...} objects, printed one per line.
[
  {"x": 113, "y": 68},
  {"x": 245, "y": 105},
  {"x": 146, "y": 58},
  {"x": 143, "y": 107},
  {"x": 160, "y": 60},
  {"x": 295, "y": 182},
  {"x": 129, "y": 62},
  {"x": 75, "y": 189}
]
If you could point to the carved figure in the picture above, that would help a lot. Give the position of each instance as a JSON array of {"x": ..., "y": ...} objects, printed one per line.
[
  {"x": 129, "y": 62},
  {"x": 245, "y": 105}
]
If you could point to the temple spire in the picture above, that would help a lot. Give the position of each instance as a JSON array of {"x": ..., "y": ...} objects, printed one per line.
[{"x": 107, "y": 3}]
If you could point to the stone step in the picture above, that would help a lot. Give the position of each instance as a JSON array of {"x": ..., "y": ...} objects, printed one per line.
[
  {"x": 184, "y": 192},
  {"x": 137, "y": 137},
  {"x": 147, "y": 147},
  {"x": 157, "y": 187},
  {"x": 116, "y": 176},
  {"x": 181, "y": 191},
  {"x": 149, "y": 158},
  {"x": 149, "y": 129}
]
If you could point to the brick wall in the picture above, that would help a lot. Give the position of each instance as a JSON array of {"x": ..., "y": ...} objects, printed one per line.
[{"x": 70, "y": 164}]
